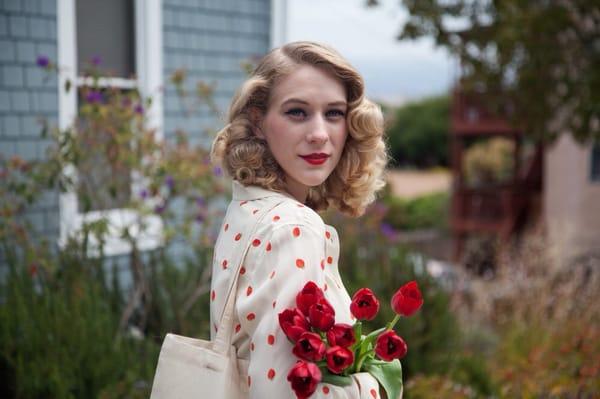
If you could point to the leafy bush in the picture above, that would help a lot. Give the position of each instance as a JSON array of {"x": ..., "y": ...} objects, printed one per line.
[
  {"x": 427, "y": 211},
  {"x": 418, "y": 133}
]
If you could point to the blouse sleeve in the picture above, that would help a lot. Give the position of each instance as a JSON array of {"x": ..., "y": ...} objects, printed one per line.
[{"x": 288, "y": 257}]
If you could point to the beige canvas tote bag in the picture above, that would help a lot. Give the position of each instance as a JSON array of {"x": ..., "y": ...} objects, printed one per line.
[{"x": 195, "y": 368}]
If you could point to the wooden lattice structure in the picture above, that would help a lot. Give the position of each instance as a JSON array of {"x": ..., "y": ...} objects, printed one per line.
[{"x": 500, "y": 209}]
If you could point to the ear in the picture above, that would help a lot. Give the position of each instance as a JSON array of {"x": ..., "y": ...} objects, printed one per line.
[{"x": 256, "y": 117}]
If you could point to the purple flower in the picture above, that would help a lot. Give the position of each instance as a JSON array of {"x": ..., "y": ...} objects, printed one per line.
[
  {"x": 170, "y": 182},
  {"x": 388, "y": 231},
  {"x": 42, "y": 61},
  {"x": 138, "y": 109},
  {"x": 199, "y": 218},
  {"x": 200, "y": 201},
  {"x": 93, "y": 96},
  {"x": 159, "y": 208},
  {"x": 96, "y": 60},
  {"x": 144, "y": 193},
  {"x": 217, "y": 171}
]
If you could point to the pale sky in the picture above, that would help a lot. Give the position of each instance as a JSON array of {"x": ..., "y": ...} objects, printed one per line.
[{"x": 394, "y": 71}]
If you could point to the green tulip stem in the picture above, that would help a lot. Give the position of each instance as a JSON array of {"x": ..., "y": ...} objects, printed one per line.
[{"x": 392, "y": 323}]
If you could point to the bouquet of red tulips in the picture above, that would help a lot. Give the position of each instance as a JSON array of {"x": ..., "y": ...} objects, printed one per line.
[{"x": 329, "y": 351}]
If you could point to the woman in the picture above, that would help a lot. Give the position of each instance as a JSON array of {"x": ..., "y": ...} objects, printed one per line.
[{"x": 300, "y": 132}]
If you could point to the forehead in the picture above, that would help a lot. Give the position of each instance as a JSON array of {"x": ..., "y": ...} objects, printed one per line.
[{"x": 314, "y": 85}]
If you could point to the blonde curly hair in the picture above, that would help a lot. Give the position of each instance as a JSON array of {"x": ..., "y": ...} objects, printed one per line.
[{"x": 353, "y": 184}]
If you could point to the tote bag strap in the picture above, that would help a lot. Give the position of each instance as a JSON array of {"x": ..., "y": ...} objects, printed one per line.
[{"x": 224, "y": 333}]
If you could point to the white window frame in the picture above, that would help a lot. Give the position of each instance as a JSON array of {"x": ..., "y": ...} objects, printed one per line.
[{"x": 148, "y": 37}]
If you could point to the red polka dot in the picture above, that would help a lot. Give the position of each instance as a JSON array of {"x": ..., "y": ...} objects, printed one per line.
[
  {"x": 242, "y": 270},
  {"x": 212, "y": 295},
  {"x": 300, "y": 263},
  {"x": 224, "y": 264},
  {"x": 226, "y": 226},
  {"x": 323, "y": 264},
  {"x": 243, "y": 203},
  {"x": 327, "y": 234},
  {"x": 268, "y": 246},
  {"x": 325, "y": 287},
  {"x": 237, "y": 328},
  {"x": 254, "y": 211},
  {"x": 249, "y": 381},
  {"x": 296, "y": 231},
  {"x": 271, "y": 339},
  {"x": 326, "y": 390},
  {"x": 272, "y": 274},
  {"x": 256, "y": 242},
  {"x": 238, "y": 236},
  {"x": 252, "y": 346},
  {"x": 329, "y": 260},
  {"x": 274, "y": 302},
  {"x": 251, "y": 316},
  {"x": 271, "y": 374},
  {"x": 373, "y": 393},
  {"x": 276, "y": 218},
  {"x": 215, "y": 326},
  {"x": 249, "y": 290}
]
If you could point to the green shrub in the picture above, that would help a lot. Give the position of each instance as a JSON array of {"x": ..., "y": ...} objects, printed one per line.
[
  {"x": 427, "y": 211},
  {"x": 418, "y": 133}
]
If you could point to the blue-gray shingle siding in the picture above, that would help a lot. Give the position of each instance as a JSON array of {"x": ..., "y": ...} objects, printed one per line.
[{"x": 28, "y": 93}]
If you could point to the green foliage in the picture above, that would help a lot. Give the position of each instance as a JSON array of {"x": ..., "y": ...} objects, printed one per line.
[
  {"x": 60, "y": 337},
  {"x": 536, "y": 57},
  {"x": 489, "y": 161},
  {"x": 68, "y": 329},
  {"x": 427, "y": 211},
  {"x": 418, "y": 133}
]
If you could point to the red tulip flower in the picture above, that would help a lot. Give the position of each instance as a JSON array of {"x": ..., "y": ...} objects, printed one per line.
[
  {"x": 390, "y": 346},
  {"x": 364, "y": 304},
  {"x": 341, "y": 334},
  {"x": 310, "y": 347},
  {"x": 407, "y": 300},
  {"x": 310, "y": 294},
  {"x": 304, "y": 378},
  {"x": 321, "y": 315},
  {"x": 338, "y": 359},
  {"x": 293, "y": 323}
]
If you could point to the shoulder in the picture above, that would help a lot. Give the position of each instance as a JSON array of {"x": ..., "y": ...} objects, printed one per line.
[{"x": 293, "y": 213}]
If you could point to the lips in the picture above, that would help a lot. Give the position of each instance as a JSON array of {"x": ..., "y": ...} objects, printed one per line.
[
  {"x": 315, "y": 155},
  {"x": 315, "y": 158}
]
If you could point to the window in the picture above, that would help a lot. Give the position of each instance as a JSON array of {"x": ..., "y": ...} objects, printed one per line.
[
  {"x": 595, "y": 162},
  {"x": 124, "y": 39}
]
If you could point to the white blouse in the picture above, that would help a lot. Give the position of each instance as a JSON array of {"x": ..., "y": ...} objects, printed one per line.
[{"x": 290, "y": 247}]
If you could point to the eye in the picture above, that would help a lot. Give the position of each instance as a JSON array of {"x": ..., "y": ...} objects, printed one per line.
[
  {"x": 296, "y": 112},
  {"x": 335, "y": 113}
]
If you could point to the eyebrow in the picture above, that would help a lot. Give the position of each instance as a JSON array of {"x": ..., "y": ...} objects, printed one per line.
[{"x": 297, "y": 100}]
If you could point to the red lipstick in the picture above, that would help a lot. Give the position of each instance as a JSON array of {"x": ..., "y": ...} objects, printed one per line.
[{"x": 315, "y": 158}]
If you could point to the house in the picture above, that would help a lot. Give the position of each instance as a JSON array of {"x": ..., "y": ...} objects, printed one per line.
[
  {"x": 144, "y": 42},
  {"x": 556, "y": 187},
  {"x": 572, "y": 197}
]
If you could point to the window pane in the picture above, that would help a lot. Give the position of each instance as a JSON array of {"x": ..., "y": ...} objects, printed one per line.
[{"x": 105, "y": 29}]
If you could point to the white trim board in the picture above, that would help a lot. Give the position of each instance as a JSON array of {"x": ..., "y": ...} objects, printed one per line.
[{"x": 148, "y": 32}]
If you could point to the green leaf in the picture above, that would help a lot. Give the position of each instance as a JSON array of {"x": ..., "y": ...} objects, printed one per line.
[
  {"x": 338, "y": 380},
  {"x": 389, "y": 376}
]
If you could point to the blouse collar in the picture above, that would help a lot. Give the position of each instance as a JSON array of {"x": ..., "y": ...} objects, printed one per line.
[{"x": 249, "y": 193}]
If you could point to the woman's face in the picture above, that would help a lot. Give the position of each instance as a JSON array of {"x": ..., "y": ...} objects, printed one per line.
[{"x": 305, "y": 127}]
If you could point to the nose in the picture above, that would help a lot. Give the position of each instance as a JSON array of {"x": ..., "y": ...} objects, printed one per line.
[{"x": 318, "y": 130}]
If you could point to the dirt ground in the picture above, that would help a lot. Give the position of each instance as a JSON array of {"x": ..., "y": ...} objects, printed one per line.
[{"x": 414, "y": 183}]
